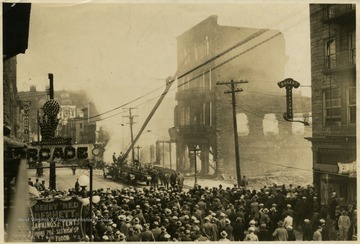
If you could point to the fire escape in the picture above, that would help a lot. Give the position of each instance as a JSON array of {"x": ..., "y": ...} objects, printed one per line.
[{"x": 339, "y": 57}]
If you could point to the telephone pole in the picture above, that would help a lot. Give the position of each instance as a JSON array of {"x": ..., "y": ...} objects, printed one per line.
[
  {"x": 233, "y": 91},
  {"x": 138, "y": 152},
  {"x": 52, "y": 173},
  {"x": 131, "y": 122}
]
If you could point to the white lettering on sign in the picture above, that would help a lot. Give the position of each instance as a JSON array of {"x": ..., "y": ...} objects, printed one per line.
[
  {"x": 347, "y": 168},
  {"x": 26, "y": 106}
]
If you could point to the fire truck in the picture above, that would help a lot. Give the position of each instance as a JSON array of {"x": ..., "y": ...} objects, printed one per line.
[{"x": 131, "y": 174}]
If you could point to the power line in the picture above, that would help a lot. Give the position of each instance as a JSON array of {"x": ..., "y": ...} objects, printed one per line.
[{"x": 251, "y": 37}]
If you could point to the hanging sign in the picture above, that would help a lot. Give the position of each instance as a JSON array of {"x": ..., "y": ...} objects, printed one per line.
[{"x": 57, "y": 220}]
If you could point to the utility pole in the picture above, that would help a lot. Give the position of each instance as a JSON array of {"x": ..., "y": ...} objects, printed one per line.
[
  {"x": 170, "y": 154},
  {"x": 233, "y": 97},
  {"x": 138, "y": 152},
  {"x": 38, "y": 125},
  {"x": 52, "y": 173},
  {"x": 131, "y": 122},
  {"x": 194, "y": 151}
]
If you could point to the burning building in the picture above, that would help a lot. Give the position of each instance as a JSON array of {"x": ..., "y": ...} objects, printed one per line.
[{"x": 209, "y": 53}]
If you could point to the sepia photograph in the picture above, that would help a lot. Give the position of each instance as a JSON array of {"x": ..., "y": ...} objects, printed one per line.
[{"x": 137, "y": 121}]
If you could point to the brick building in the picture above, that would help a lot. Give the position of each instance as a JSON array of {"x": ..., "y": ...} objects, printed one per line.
[
  {"x": 73, "y": 115},
  {"x": 333, "y": 77},
  {"x": 203, "y": 115}
]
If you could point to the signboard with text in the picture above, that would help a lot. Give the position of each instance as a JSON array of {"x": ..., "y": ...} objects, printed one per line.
[
  {"x": 26, "y": 106},
  {"x": 64, "y": 152},
  {"x": 57, "y": 220}
]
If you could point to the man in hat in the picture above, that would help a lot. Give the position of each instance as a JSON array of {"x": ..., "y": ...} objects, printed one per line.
[
  {"x": 301, "y": 209},
  {"x": 222, "y": 218},
  {"x": 333, "y": 203},
  {"x": 117, "y": 236},
  {"x": 238, "y": 229},
  {"x": 229, "y": 230},
  {"x": 263, "y": 234},
  {"x": 317, "y": 234},
  {"x": 208, "y": 229},
  {"x": 291, "y": 235},
  {"x": 133, "y": 236},
  {"x": 307, "y": 230},
  {"x": 251, "y": 236},
  {"x": 146, "y": 234},
  {"x": 280, "y": 234},
  {"x": 137, "y": 225},
  {"x": 187, "y": 236},
  {"x": 264, "y": 216},
  {"x": 223, "y": 236},
  {"x": 344, "y": 225},
  {"x": 156, "y": 230}
]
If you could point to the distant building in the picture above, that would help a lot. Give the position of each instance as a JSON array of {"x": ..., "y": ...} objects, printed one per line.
[
  {"x": 203, "y": 115},
  {"x": 333, "y": 71},
  {"x": 73, "y": 115}
]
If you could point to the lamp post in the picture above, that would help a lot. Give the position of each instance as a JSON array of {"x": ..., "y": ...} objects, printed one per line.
[
  {"x": 195, "y": 164},
  {"x": 83, "y": 182}
]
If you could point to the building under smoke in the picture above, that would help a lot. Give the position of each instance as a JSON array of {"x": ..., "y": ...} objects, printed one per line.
[{"x": 203, "y": 114}]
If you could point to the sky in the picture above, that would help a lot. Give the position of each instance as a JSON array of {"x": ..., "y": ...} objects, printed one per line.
[{"x": 119, "y": 51}]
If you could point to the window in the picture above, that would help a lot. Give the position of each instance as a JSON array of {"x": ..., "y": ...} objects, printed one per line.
[
  {"x": 187, "y": 115},
  {"x": 352, "y": 105},
  {"x": 203, "y": 81},
  {"x": 210, "y": 79},
  {"x": 332, "y": 107},
  {"x": 196, "y": 52},
  {"x": 210, "y": 114},
  {"x": 187, "y": 82},
  {"x": 207, "y": 45},
  {"x": 352, "y": 47},
  {"x": 330, "y": 54},
  {"x": 207, "y": 113}
]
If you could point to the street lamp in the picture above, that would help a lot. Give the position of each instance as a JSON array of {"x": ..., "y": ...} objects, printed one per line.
[
  {"x": 194, "y": 152},
  {"x": 83, "y": 182}
]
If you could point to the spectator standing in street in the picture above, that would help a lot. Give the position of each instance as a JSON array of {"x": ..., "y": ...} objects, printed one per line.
[
  {"x": 324, "y": 232},
  {"x": 223, "y": 235},
  {"x": 77, "y": 186},
  {"x": 280, "y": 234},
  {"x": 291, "y": 235},
  {"x": 244, "y": 183},
  {"x": 239, "y": 229},
  {"x": 307, "y": 230},
  {"x": 333, "y": 203},
  {"x": 264, "y": 234},
  {"x": 229, "y": 230},
  {"x": 251, "y": 236},
  {"x": 317, "y": 234},
  {"x": 344, "y": 225},
  {"x": 288, "y": 221}
]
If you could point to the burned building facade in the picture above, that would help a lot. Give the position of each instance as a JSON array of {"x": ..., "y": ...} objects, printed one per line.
[
  {"x": 209, "y": 53},
  {"x": 333, "y": 77}
]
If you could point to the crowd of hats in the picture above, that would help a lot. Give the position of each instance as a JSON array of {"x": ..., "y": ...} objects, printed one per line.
[{"x": 197, "y": 214}]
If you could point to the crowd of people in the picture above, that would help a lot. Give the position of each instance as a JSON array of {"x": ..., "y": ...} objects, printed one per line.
[{"x": 215, "y": 214}]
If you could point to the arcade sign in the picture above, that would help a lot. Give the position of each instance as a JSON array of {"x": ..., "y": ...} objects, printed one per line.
[{"x": 64, "y": 152}]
